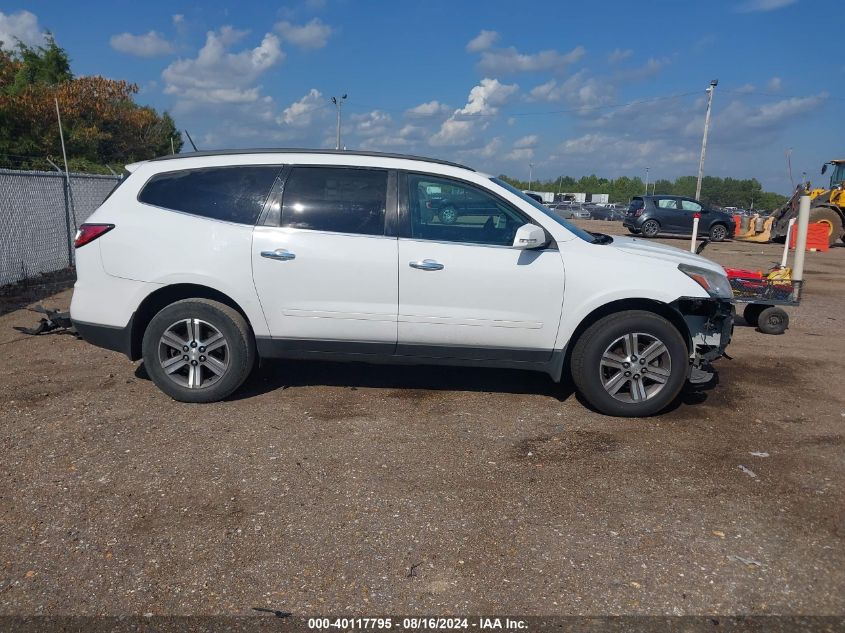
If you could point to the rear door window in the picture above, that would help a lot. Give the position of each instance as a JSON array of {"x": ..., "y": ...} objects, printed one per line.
[
  {"x": 233, "y": 194},
  {"x": 336, "y": 199},
  {"x": 667, "y": 203}
]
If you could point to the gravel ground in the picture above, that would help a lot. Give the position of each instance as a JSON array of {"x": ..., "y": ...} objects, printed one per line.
[{"x": 350, "y": 489}]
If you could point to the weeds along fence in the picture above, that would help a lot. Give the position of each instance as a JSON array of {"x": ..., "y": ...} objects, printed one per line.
[{"x": 39, "y": 216}]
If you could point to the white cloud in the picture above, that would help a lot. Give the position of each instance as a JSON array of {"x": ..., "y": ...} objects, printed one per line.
[
  {"x": 313, "y": 35},
  {"x": 430, "y": 108},
  {"x": 745, "y": 89},
  {"x": 752, "y": 6},
  {"x": 619, "y": 55},
  {"x": 482, "y": 41},
  {"x": 524, "y": 153},
  {"x": 177, "y": 19},
  {"x": 579, "y": 90},
  {"x": 374, "y": 123},
  {"x": 150, "y": 44},
  {"x": 21, "y": 25},
  {"x": 484, "y": 100},
  {"x": 216, "y": 75},
  {"x": 487, "y": 96},
  {"x": 489, "y": 153},
  {"x": 742, "y": 125},
  {"x": 509, "y": 60},
  {"x": 625, "y": 151},
  {"x": 649, "y": 69},
  {"x": 775, "y": 84},
  {"x": 526, "y": 141},
  {"x": 300, "y": 114}
]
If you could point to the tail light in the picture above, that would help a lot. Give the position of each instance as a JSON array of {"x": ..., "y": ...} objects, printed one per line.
[
  {"x": 638, "y": 213},
  {"x": 90, "y": 232}
]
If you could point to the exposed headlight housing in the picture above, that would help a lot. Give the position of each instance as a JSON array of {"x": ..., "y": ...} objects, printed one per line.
[{"x": 716, "y": 285}]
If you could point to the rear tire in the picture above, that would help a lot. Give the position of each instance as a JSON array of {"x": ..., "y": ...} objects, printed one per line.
[
  {"x": 657, "y": 360},
  {"x": 216, "y": 356},
  {"x": 718, "y": 233},
  {"x": 650, "y": 228},
  {"x": 773, "y": 320},
  {"x": 751, "y": 314}
]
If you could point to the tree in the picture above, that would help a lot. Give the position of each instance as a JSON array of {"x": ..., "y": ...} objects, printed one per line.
[
  {"x": 102, "y": 123},
  {"x": 720, "y": 192},
  {"x": 47, "y": 65}
]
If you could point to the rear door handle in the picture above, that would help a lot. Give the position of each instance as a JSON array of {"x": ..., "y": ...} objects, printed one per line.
[
  {"x": 280, "y": 253},
  {"x": 426, "y": 264}
]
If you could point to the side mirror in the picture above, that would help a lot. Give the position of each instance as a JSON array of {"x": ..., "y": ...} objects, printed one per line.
[
  {"x": 824, "y": 168},
  {"x": 529, "y": 236}
]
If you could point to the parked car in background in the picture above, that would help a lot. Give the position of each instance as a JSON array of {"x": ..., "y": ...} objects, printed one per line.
[
  {"x": 563, "y": 209},
  {"x": 203, "y": 263},
  {"x": 606, "y": 213},
  {"x": 651, "y": 215}
]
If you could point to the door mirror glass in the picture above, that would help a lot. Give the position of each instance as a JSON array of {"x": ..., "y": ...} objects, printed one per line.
[
  {"x": 824, "y": 168},
  {"x": 529, "y": 236}
]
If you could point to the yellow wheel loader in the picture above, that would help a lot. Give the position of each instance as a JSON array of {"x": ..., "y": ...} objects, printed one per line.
[{"x": 828, "y": 205}]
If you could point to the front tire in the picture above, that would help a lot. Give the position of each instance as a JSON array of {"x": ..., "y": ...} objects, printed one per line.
[
  {"x": 630, "y": 364},
  {"x": 650, "y": 228},
  {"x": 198, "y": 350}
]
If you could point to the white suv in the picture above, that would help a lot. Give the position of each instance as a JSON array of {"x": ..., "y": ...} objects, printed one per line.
[{"x": 199, "y": 263}]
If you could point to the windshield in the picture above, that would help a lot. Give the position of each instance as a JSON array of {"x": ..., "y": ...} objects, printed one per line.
[
  {"x": 587, "y": 237},
  {"x": 838, "y": 175}
]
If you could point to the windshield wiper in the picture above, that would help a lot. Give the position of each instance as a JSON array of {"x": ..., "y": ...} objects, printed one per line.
[{"x": 601, "y": 238}]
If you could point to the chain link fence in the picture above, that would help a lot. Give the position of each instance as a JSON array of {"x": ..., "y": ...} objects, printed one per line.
[{"x": 39, "y": 217}]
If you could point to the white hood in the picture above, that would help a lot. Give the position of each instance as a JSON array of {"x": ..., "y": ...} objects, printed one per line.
[{"x": 654, "y": 250}]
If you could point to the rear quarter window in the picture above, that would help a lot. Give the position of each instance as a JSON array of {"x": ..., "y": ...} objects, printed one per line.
[{"x": 232, "y": 194}]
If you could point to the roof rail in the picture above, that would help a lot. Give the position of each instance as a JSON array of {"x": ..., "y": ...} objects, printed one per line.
[{"x": 287, "y": 150}]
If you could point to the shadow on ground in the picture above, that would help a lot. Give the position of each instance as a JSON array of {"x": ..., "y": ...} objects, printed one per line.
[{"x": 278, "y": 374}]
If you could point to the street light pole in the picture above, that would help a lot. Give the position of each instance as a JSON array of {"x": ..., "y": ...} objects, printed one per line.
[
  {"x": 710, "y": 89},
  {"x": 338, "y": 104},
  {"x": 530, "y": 175},
  {"x": 646, "y": 181}
]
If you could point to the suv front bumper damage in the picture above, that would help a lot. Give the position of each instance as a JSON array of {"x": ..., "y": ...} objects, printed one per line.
[{"x": 710, "y": 323}]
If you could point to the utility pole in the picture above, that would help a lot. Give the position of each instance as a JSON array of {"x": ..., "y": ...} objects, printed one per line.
[
  {"x": 530, "y": 175},
  {"x": 646, "y": 181},
  {"x": 710, "y": 89},
  {"x": 789, "y": 166},
  {"x": 338, "y": 104}
]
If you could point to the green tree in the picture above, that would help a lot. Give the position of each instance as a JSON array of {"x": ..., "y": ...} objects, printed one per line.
[{"x": 46, "y": 65}]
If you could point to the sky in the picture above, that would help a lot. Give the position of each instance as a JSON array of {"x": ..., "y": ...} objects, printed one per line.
[{"x": 608, "y": 88}]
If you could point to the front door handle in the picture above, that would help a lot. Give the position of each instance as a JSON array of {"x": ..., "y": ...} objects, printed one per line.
[
  {"x": 280, "y": 253},
  {"x": 426, "y": 264}
]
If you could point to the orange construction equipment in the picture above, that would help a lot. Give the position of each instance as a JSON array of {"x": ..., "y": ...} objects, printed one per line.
[
  {"x": 817, "y": 237},
  {"x": 737, "y": 225}
]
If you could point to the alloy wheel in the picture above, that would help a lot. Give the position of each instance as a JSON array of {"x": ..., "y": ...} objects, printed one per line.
[
  {"x": 193, "y": 353},
  {"x": 635, "y": 367}
]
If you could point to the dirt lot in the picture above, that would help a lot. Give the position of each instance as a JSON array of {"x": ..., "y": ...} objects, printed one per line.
[{"x": 345, "y": 489}]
